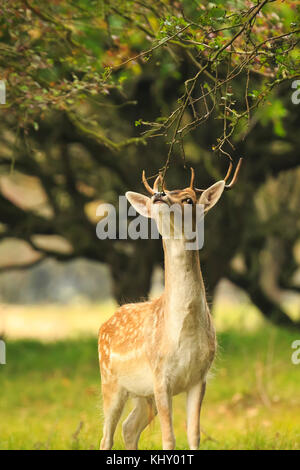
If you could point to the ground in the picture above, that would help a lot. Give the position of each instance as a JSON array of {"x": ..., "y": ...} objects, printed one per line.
[{"x": 50, "y": 388}]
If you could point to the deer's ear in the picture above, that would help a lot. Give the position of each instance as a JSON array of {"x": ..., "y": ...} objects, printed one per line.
[
  {"x": 211, "y": 195},
  {"x": 140, "y": 203}
]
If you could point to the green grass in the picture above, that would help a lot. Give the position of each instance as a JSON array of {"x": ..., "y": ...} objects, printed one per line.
[{"x": 50, "y": 396}]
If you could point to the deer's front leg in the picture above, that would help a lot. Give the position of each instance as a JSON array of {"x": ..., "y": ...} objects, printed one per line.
[
  {"x": 195, "y": 397},
  {"x": 163, "y": 401}
]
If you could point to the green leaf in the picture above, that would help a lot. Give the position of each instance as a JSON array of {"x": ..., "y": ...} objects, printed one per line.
[{"x": 138, "y": 122}]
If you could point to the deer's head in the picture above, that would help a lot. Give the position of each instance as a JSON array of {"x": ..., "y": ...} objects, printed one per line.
[{"x": 162, "y": 200}]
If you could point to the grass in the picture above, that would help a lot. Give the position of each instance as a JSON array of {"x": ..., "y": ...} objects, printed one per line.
[{"x": 50, "y": 395}]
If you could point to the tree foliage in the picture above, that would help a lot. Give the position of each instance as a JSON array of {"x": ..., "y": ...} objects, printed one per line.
[{"x": 65, "y": 54}]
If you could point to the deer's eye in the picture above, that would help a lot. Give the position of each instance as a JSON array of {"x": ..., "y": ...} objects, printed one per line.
[{"x": 188, "y": 200}]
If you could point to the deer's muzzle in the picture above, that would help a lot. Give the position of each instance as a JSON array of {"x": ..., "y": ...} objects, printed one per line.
[{"x": 159, "y": 197}]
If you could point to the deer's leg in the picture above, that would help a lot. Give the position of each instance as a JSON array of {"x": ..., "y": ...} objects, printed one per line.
[
  {"x": 114, "y": 399},
  {"x": 195, "y": 397},
  {"x": 141, "y": 415},
  {"x": 163, "y": 400}
]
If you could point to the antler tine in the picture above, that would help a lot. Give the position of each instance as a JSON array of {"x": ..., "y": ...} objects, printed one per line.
[
  {"x": 197, "y": 191},
  {"x": 155, "y": 186},
  {"x": 228, "y": 172},
  {"x": 192, "y": 178},
  {"x": 146, "y": 184},
  {"x": 234, "y": 179}
]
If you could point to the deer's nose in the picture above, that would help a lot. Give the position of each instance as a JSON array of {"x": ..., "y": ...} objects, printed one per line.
[{"x": 158, "y": 196}]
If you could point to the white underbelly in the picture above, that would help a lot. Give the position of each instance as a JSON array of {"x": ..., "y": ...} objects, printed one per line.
[
  {"x": 138, "y": 382},
  {"x": 133, "y": 371}
]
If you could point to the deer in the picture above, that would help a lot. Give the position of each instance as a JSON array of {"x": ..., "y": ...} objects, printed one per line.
[{"x": 153, "y": 350}]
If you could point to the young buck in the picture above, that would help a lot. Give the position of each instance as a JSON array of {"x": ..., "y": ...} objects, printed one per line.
[{"x": 153, "y": 350}]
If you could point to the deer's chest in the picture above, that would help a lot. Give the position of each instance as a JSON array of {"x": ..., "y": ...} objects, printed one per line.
[{"x": 191, "y": 355}]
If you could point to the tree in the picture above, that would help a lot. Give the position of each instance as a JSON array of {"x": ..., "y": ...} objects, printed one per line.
[{"x": 96, "y": 91}]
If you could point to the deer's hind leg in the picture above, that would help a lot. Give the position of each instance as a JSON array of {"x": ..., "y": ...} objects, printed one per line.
[
  {"x": 141, "y": 415},
  {"x": 114, "y": 399}
]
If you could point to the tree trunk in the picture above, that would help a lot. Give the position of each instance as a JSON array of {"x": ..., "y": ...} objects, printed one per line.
[
  {"x": 270, "y": 309},
  {"x": 132, "y": 272}
]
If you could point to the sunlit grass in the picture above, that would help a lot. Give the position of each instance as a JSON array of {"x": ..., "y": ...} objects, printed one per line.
[
  {"x": 50, "y": 394},
  {"x": 53, "y": 322}
]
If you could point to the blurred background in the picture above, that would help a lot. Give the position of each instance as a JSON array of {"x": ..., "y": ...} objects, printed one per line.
[{"x": 72, "y": 137}]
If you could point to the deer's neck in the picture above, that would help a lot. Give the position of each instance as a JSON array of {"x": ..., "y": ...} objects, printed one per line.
[{"x": 184, "y": 287}]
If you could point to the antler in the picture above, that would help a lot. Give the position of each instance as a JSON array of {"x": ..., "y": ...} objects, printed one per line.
[
  {"x": 228, "y": 186},
  {"x": 234, "y": 179},
  {"x": 155, "y": 185},
  {"x": 228, "y": 172},
  {"x": 147, "y": 185},
  {"x": 192, "y": 182},
  {"x": 197, "y": 191},
  {"x": 192, "y": 178}
]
